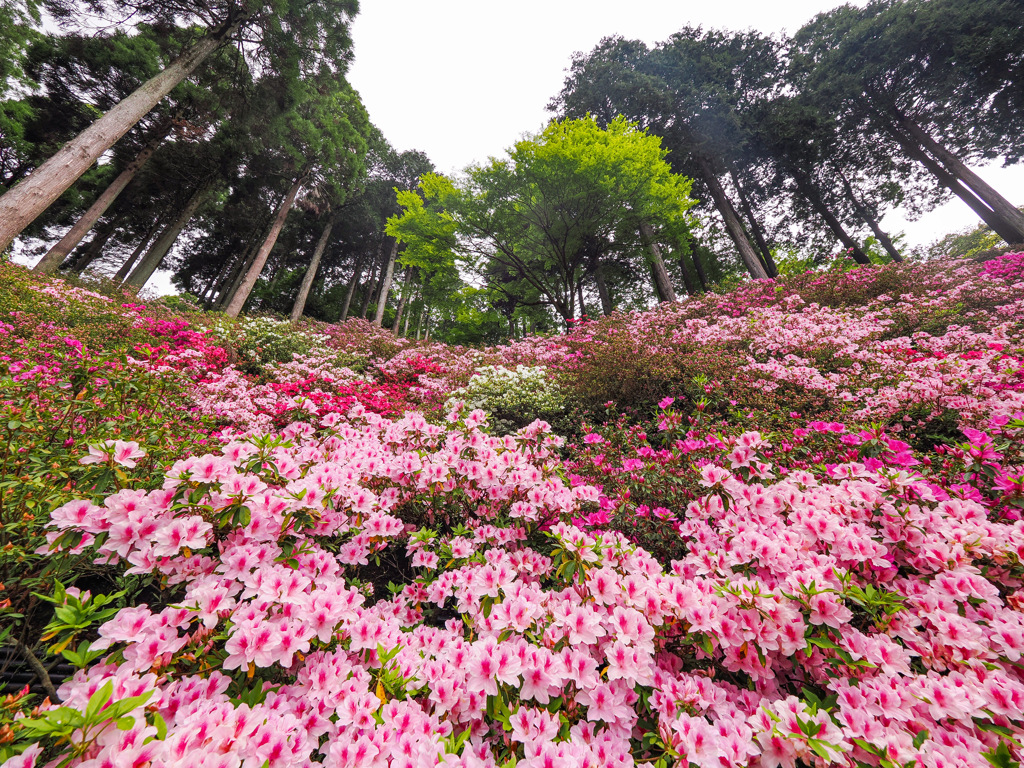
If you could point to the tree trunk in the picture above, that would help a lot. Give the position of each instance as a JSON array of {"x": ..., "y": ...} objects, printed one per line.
[
  {"x": 351, "y": 288},
  {"x": 234, "y": 308},
  {"x": 1002, "y": 207},
  {"x": 755, "y": 228},
  {"x": 80, "y": 262},
  {"x": 662, "y": 282},
  {"x": 56, "y": 255},
  {"x": 426, "y": 336},
  {"x": 995, "y": 222},
  {"x": 808, "y": 190},
  {"x": 691, "y": 288},
  {"x": 314, "y": 265},
  {"x": 122, "y": 273},
  {"x": 151, "y": 261},
  {"x": 865, "y": 214},
  {"x": 419, "y": 323},
  {"x": 385, "y": 287},
  {"x": 21, "y": 205},
  {"x": 371, "y": 284},
  {"x": 415, "y": 296},
  {"x": 733, "y": 225},
  {"x": 607, "y": 307},
  {"x": 237, "y": 274},
  {"x": 402, "y": 301},
  {"x": 698, "y": 267}
]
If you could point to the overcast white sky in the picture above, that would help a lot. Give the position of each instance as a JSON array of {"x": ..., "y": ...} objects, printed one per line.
[{"x": 463, "y": 79}]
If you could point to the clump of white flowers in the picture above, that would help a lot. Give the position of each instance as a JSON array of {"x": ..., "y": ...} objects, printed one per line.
[{"x": 512, "y": 397}]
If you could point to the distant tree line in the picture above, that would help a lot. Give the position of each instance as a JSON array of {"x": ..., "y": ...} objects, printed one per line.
[{"x": 220, "y": 140}]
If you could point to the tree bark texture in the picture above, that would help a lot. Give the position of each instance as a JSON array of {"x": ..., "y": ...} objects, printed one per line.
[
  {"x": 1002, "y": 207},
  {"x": 234, "y": 307},
  {"x": 403, "y": 299},
  {"x": 865, "y": 214},
  {"x": 351, "y": 289},
  {"x": 371, "y": 284},
  {"x": 662, "y": 282},
  {"x": 56, "y": 255},
  {"x": 755, "y": 228},
  {"x": 698, "y": 267},
  {"x": 154, "y": 257},
  {"x": 733, "y": 225},
  {"x": 80, "y": 261},
  {"x": 314, "y": 265},
  {"x": 238, "y": 272},
  {"x": 607, "y": 307},
  {"x": 125, "y": 268},
  {"x": 995, "y": 222},
  {"x": 385, "y": 286},
  {"x": 22, "y": 204},
  {"x": 808, "y": 190}
]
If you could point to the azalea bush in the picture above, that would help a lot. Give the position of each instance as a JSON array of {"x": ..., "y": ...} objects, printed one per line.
[
  {"x": 512, "y": 397},
  {"x": 788, "y": 533}
]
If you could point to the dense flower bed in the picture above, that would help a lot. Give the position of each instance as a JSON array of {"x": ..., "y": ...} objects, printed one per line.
[{"x": 788, "y": 534}]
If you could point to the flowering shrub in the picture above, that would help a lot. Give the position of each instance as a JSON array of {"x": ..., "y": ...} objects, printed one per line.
[
  {"x": 797, "y": 541},
  {"x": 512, "y": 397}
]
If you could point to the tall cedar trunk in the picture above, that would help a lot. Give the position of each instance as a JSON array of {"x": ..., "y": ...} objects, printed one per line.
[
  {"x": 215, "y": 282},
  {"x": 226, "y": 275},
  {"x": 733, "y": 225},
  {"x": 662, "y": 282},
  {"x": 415, "y": 297},
  {"x": 22, "y": 204},
  {"x": 426, "y": 336},
  {"x": 579, "y": 293},
  {"x": 351, "y": 288},
  {"x": 419, "y": 323},
  {"x": 53, "y": 258},
  {"x": 314, "y": 265},
  {"x": 154, "y": 257},
  {"x": 385, "y": 286},
  {"x": 234, "y": 307},
  {"x": 755, "y": 227},
  {"x": 81, "y": 261},
  {"x": 995, "y": 222},
  {"x": 1002, "y": 207},
  {"x": 371, "y": 284},
  {"x": 698, "y": 266},
  {"x": 691, "y": 287},
  {"x": 865, "y": 214},
  {"x": 607, "y": 307},
  {"x": 402, "y": 301},
  {"x": 125, "y": 268},
  {"x": 810, "y": 192},
  {"x": 237, "y": 275}
]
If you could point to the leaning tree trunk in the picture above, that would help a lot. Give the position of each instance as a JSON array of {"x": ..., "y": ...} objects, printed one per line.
[
  {"x": 698, "y": 267},
  {"x": 385, "y": 287},
  {"x": 22, "y": 204},
  {"x": 662, "y": 282},
  {"x": 755, "y": 227},
  {"x": 865, "y": 214},
  {"x": 1002, "y": 207},
  {"x": 691, "y": 287},
  {"x": 314, "y": 265},
  {"x": 607, "y": 307},
  {"x": 125, "y": 268},
  {"x": 995, "y": 222},
  {"x": 404, "y": 297},
  {"x": 812, "y": 195},
  {"x": 415, "y": 296},
  {"x": 371, "y": 285},
  {"x": 352, "y": 288},
  {"x": 733, "y": 225},
  {"x": 56, "y": 255},
  {"x": 79, "y": 262},
  {"x": 155, "y": 256},
  {"x": 234, "y": 281},
  {"x": 234, "y": 307}
]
